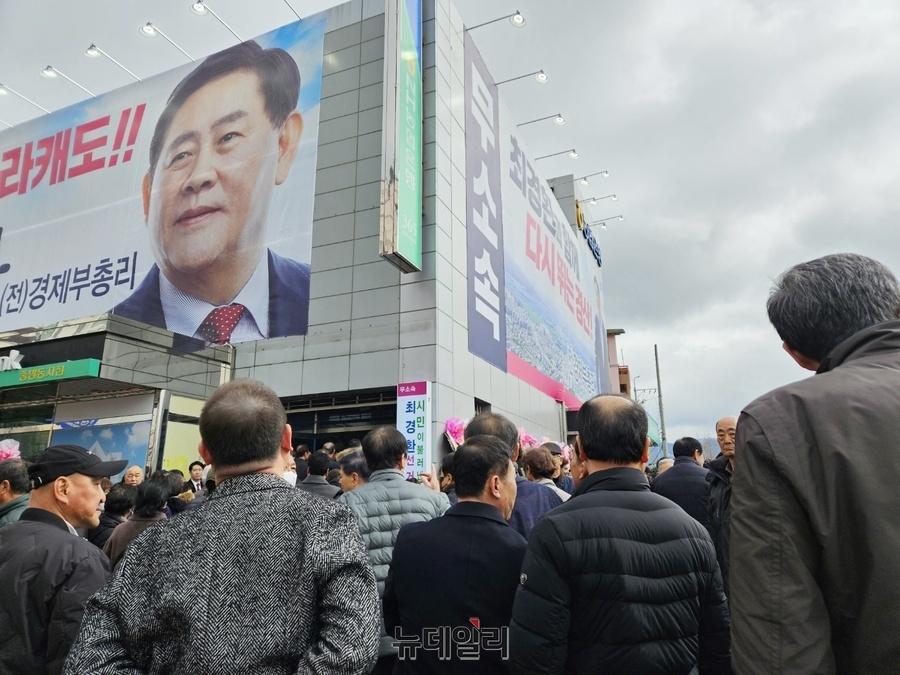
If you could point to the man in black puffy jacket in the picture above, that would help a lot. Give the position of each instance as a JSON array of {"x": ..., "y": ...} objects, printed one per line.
[{"x": 618, "y": 579}]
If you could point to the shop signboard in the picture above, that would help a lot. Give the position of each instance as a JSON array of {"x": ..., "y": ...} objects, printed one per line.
[
  {"x": 51, "y": 372},
  {"x": 401, "y": 184},
  {"x": 414, "y": 422},
  {"x": 172, "y": 196}
]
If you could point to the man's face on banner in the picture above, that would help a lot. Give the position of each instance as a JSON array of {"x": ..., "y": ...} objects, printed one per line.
[{"x": 220, "y": 160}]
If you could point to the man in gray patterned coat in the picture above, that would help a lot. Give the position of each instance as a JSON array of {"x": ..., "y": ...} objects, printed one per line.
[{"x": 280, "y": 581}]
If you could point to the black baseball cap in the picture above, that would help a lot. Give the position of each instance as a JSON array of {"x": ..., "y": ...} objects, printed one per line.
[
  {"x": 552, "y": 447},
  {"x": 64, "y": 460}
]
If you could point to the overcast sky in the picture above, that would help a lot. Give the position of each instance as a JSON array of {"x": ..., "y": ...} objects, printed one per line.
[{"x": 741, "y": 137}]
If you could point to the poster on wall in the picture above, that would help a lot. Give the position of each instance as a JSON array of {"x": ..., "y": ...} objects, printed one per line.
[
  {"x": 109, "y": 442},
  {"x": 184, "y": 201},
  {"x": 414, "y": 422},
  {"x": 535, "y": 289}
]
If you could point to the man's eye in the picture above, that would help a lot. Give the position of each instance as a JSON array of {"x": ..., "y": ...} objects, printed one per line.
[
  {"x": 179, "y": 157},
  {"x": 230, "y": 136}
]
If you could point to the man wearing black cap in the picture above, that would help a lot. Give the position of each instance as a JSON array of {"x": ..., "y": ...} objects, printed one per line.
[{"x": 47, "y": 572}]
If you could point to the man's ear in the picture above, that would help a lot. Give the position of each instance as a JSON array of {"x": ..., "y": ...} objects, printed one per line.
[
  {"x": 802, "y": 361},
  {"x": 580, "y": 450},
  {"x": 492, "y": 487},
  {"x": 61, "y": 489},
  {"x": 145, "y": 195},
  {"x": 205, "y": 454},
  {"x": 288, "y": 140},
  {"x": 4, "y": 486},
  {"x": 286, "y": 436},
  {"x": 645, "y": 455},
  {"x": 518, "y": 449}
]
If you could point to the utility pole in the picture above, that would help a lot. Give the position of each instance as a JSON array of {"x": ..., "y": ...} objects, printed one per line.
[{"x": 662, "y": 418}]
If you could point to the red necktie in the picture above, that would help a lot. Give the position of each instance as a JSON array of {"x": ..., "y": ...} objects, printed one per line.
[{"x": 219, "y": 323}]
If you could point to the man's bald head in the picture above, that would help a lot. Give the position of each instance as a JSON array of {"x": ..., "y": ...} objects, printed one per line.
[
  {"x": 613, "y": 428},
  {"x": 725, "y": 429}
]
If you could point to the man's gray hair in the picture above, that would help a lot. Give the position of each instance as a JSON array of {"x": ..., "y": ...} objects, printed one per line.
[{"x": 816, "y": 305}]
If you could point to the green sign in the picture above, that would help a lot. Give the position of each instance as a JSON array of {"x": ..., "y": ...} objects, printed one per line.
[
  {"x": 52, "y": 372},
  {"x": 409, "y": 134}
]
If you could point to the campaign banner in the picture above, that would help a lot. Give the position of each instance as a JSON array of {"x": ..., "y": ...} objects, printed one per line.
[
  {"x": 485, "y": 281},
  {"x": 171, "y": 197},
  {"x": 414, "y": 422},
  {"x": 548, "y": 280}
]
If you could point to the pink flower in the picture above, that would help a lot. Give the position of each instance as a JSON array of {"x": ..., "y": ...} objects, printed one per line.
[
  {"x": 455, "y": 428},
  {"x": 9, "y": 449},
  {"x": 526, "y": 439}
]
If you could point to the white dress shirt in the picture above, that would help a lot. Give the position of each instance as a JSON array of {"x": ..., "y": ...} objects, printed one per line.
[{"x": 184, "y": 313}]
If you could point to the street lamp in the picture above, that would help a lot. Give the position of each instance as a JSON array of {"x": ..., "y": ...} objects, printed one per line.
[
  {"x": 584, "y": 179},
  {"x": 558, "y": 120},
  {"x": 516, "y": 19},
  {"x": 539, "y": 75},
  {"x": 593, "y": 200},
  {"x": 571, "y": 153},
  {"x": 94, "y": 51},
  {"x": 602, "y": 222}
]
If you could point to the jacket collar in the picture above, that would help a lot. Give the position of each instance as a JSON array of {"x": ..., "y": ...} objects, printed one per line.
[
  {"x": 253, "y": 482},
  {"x": 13, "y": 503},
  {"x": 884, "y": 337},
  {"x": 620, "y": 478},
  {"x": 42, "y": 516},
  {"x": 477, "y": 510},
  {"x": 318, "y": 480},
  {"x": 386, "y": 475}
]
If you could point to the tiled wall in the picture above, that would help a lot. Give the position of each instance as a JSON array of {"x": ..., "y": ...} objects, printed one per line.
[{"x": 370, "y": 325}]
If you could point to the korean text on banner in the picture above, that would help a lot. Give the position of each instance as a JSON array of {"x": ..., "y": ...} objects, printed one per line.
[{"x": 414, "y": 422}]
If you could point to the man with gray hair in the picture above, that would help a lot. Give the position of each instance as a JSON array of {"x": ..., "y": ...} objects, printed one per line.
[
  {"x": 814, "y": 537},
  {"x": 13, "y": 490}
]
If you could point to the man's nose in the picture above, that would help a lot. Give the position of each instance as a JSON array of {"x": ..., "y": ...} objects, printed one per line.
[{"x": 203, "y": 175}]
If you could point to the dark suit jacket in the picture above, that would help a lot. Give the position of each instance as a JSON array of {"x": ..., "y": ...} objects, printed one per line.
[
  {"x": 476, "y": 558},
  {"x": 685, "y": 484},
  {"x": 189, "y": 485},
  {"x": 288, "y": 298}
]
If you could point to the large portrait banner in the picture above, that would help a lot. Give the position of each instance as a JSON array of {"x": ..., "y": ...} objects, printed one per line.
[{"x": 183, "y": 201}]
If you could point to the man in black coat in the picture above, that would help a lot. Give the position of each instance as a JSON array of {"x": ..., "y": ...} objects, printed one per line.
[
  {"x": 685, "y": 483},
  {"x": 721, "y": 469},
  {"x": 475, "y": 555},
  {"x": 618, "y": 579},
  {"x": 48, "y": 572}
]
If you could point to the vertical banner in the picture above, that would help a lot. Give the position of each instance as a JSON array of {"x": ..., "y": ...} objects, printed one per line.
[
  {"x": 414, "y": 422},
  {"x": 484, "y": 222},
  {"x": 401, "y": 203}
]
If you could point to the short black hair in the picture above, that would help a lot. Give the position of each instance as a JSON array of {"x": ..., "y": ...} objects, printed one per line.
[
  {"x": 16, "y": 472},
  {"x": 612, "y": 433},
  {"x": 686, "y": 447},
  {"x": 492, "y": 424},
  {"x": 120, "y": 499},
  {"x": 447, "y": 464},
  {"x": 196, "y": 463},
  {"x": 383, "y": 448},
  {"x": 355, "y": 463},
  {"x": 152, "y": 496},
  {"x": 242, "y": 422},
  {"x": 318, "y": 464},
  {"x": 279, "y": 83},
  {"x": 300, "y": 450},
  {"x": 476, "y": 460}
]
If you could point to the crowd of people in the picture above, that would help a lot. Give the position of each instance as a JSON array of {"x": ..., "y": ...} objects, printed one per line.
[{"x": 776, "y": 556}]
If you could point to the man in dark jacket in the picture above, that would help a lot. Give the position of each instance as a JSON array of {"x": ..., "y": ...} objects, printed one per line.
[
  {"x": 685, "y": 483},
  {"x": 475, "y": 557},
  {"x": 721, "y": 469},
  {"x": 119, "y": 502},
  {"x": 617, "y": 579},
  {"x": 533, "y": 500},
  {"x": 47, "y": 572},
  {"x": 315, "y": 480},
  {"x": 814, "y": 514}
]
